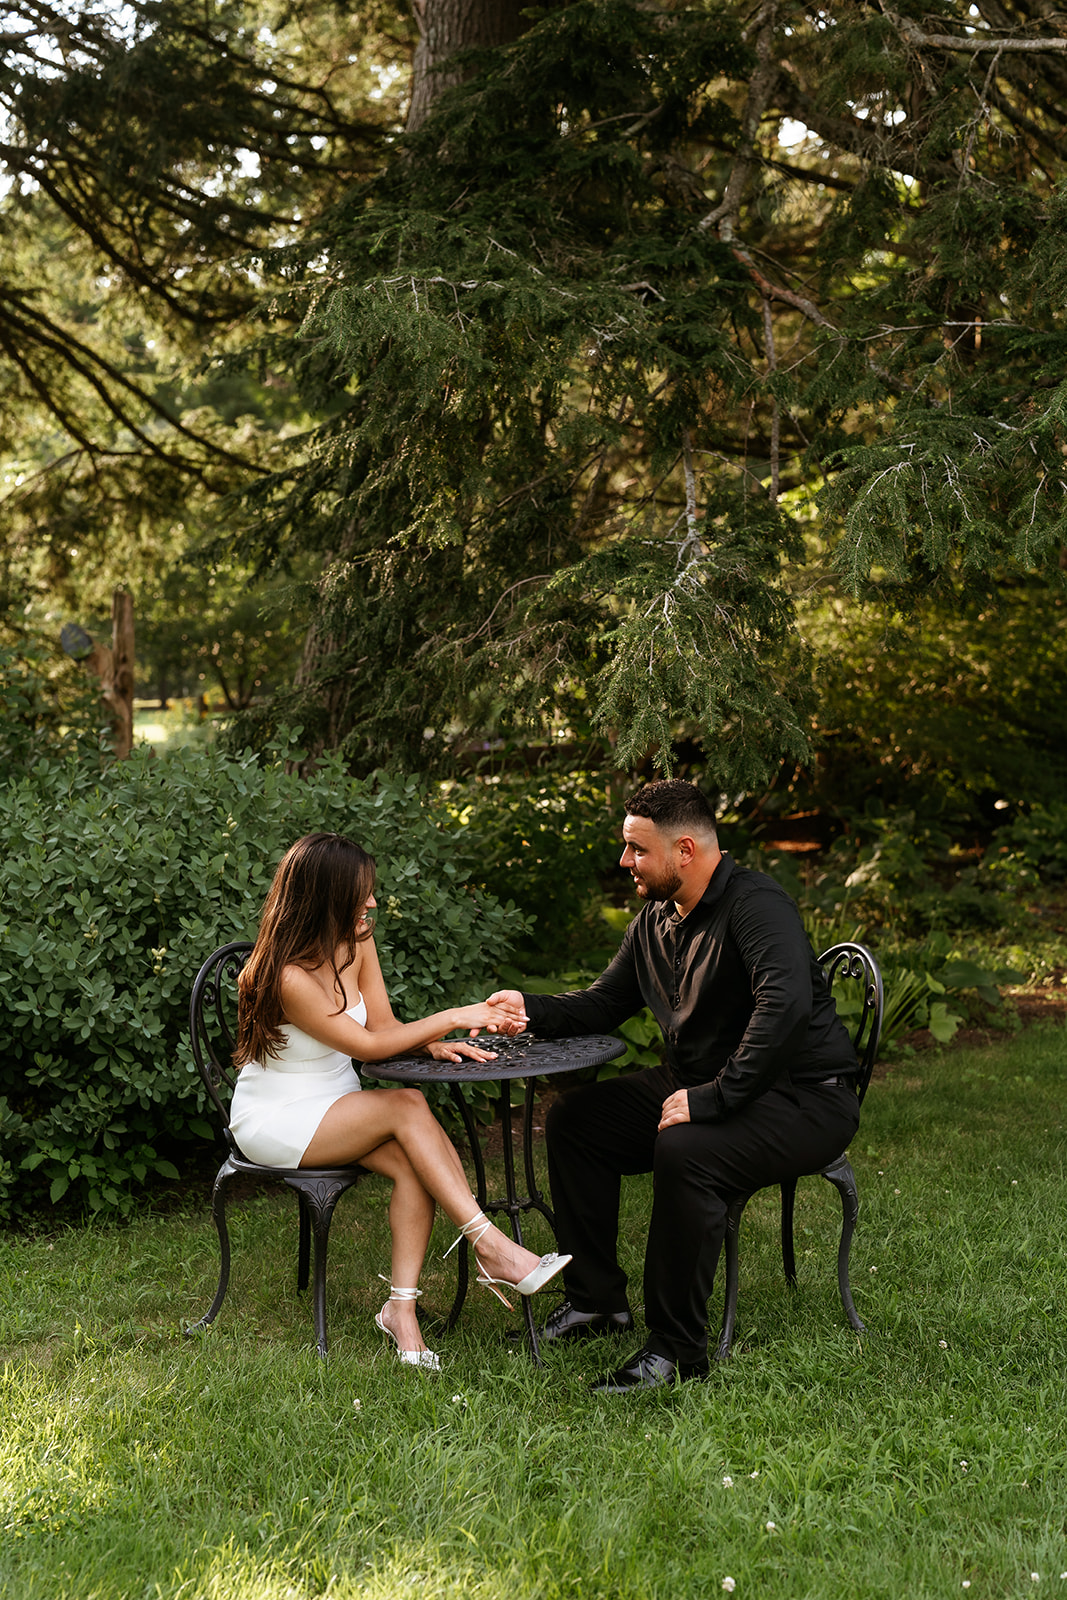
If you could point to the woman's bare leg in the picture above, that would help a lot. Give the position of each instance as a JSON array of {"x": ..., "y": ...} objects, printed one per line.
[
  {"x": 358, "y": 1123},
  {"x": 411, "y": 1214}
]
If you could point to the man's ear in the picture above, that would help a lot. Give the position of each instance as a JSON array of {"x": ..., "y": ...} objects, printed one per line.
[{"x": 686, "y": 848}]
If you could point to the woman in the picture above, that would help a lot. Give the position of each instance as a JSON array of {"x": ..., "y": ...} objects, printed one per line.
[{"x": 311, "y": 997}]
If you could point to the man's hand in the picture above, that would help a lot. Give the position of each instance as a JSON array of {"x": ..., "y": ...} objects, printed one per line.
[
  {"x": 675, "y": 1110},
  {"x": 512, "y": 1008}
]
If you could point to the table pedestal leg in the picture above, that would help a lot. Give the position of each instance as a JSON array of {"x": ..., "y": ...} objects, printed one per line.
[
  {"x": 513, "y": 1203},
  {"x": 463, "y": 1270}
]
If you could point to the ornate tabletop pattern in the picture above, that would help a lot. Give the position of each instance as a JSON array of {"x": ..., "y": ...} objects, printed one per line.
[{"x": 519, "y": 1057}]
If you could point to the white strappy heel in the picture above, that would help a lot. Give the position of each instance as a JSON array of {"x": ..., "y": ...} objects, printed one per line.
[
  {"x": 535, "y": 1279},
  {"x": 427, "y": 1360}
]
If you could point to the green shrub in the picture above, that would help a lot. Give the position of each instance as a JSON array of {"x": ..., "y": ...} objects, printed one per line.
[
  {"x": 544, "y": 840},
  {"x": 47, "y": 707},
  {"x": 1031, "y": 848},
  {"x": 115, "y": 885}
]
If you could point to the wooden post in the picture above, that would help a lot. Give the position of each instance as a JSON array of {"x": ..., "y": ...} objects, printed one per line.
[{"x": 112, "y": 664}]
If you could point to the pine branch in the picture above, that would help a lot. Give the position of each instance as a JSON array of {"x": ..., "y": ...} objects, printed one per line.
[{"x": 36, "y": 328}]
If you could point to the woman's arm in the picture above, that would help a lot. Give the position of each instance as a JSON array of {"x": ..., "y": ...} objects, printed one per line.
[
  {"x": 380, "y": 1012},
  {"x": 307, "y": 1005}
]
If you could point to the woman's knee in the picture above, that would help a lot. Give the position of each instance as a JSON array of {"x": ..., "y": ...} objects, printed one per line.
[{"x": 410, "y": 1106}]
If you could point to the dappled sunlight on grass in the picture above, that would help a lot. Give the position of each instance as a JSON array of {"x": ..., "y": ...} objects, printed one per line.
[{"x": 237, "y": 1466}]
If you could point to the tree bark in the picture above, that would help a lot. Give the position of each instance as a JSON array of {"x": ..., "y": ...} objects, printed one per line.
[
  {"x": 446, "y": 26},
  {"x": 119, "y": 694},
  {"x": 113, "y": 665}
]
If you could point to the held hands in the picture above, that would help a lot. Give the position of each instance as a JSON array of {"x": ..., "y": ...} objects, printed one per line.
[
  {"x": 509, "y": 1011},
  {"x": 675, "y": 1110},
  {"x": 501, "y": 1013}
]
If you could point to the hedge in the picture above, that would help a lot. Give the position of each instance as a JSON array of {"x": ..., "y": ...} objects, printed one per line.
[{"x": 115, "y": 885}]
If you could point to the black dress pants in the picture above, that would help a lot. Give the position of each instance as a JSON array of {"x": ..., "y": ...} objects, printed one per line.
[{"x": 601, "y": 1132}]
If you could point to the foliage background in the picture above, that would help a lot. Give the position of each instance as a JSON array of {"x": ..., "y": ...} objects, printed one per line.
[{"x": 115, "y": 886}]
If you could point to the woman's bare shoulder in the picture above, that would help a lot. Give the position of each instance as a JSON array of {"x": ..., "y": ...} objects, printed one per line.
[
  {"x": 315, "y": 986},
  {"x": 297, "y": 983}
]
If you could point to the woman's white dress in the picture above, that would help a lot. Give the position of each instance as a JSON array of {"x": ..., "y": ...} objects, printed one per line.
[{"x": 276, "y": 1109}]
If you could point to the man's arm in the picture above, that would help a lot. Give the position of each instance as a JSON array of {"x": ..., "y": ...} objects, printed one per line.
[
  {"x": 613, "y": 997},
  {"x": 770, "y": 938}
]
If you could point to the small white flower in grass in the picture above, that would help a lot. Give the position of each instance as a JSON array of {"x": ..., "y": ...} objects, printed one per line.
[
  {"x": 357, "y": 1405},
  {"x": 874, "y": 1269},
  {"x": 457, "y": 1399},
  {"x": 729, "y": 1585},
  {"x": 727, "y": 1482},
  {"x": 770, "y": 1526},
  {"x": 648, "y": 1436},
  {"x": 1015, "y": 1185},
  {"x": 1035, "y": 1577},
  {"x": 943, "y": 1343},
  {"x": 896, "y": 1191},
  {"x": 966, "y": 1583},
  {"x": 963, "y": 1465},
  {"x": 754, "y": 1474}
]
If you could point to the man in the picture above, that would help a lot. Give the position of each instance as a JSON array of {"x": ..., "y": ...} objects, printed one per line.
[{"x": 759, "y": 1082}]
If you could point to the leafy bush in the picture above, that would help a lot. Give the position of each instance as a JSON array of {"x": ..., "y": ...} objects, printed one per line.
[
  {"x": 115, "y": 885},
  {"x": 904, "y": 873},
  {"x": 544, "y": 840},
  {"x": 46, "y": 706},
  {"x": 1031, "y": 847}
]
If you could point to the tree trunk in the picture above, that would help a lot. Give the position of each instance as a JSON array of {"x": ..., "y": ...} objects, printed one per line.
[
  {"x": 120, "y": 697},
  {"x": 114, "y": 667},
  {"x": 446, "y": 26}
]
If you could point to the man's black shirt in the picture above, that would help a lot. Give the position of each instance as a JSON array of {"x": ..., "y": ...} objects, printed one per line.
[{"x": 735, "y": 987}]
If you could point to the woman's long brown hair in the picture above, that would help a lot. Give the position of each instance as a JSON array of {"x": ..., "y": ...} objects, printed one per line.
[{"x": 312, "y": 911}]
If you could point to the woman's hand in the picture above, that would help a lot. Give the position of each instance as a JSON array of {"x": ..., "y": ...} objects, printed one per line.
[
  {"x": 675, "y": 1110},
  {"x": 509, "y": 1011},
  {"x": 458, "y": 1050}
]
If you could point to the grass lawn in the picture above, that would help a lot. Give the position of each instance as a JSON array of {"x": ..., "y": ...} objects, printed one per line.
[{"x": 925, "y": 1459}]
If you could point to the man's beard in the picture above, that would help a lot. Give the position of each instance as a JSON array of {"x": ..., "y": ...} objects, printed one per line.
[{"x": 664, "y": 888}]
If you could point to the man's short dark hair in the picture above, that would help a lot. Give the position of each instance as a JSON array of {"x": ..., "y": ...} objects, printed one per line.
[{"x": 673, "y": 804}]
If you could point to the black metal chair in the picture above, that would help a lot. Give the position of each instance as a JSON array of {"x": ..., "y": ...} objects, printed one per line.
[
  {"x": 856, "y": 963},
  {"x": 213, "y": 1032}
]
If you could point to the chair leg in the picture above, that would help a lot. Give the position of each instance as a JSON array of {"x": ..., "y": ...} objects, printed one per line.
[
  {"x": 841, "y": 1175},
  {"x": 729, "y": 1308},
  {"x": 789, "y": 1260},
  {"x": 318, "y": 1199},
  {"x": 218, "y": 1211},
  {"x": 303, "y": 1258}
]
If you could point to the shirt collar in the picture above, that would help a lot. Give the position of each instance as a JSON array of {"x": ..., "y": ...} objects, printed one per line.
[{"x": 668, "y": 914}]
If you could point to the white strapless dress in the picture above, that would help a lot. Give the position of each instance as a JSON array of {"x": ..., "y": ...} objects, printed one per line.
[{"x": 276, "y": 1109}]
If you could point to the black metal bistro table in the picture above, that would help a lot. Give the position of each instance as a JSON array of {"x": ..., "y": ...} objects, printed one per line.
[{"x": 519, "y": 1057}]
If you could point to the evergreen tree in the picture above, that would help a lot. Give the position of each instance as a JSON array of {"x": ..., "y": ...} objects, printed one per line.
[
  {"x": 147, "y": 149},
  {"x": 664, "y": 319}
]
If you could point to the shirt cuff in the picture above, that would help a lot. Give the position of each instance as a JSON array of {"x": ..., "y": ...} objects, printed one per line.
[{"x": 706, "y": 1103}]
